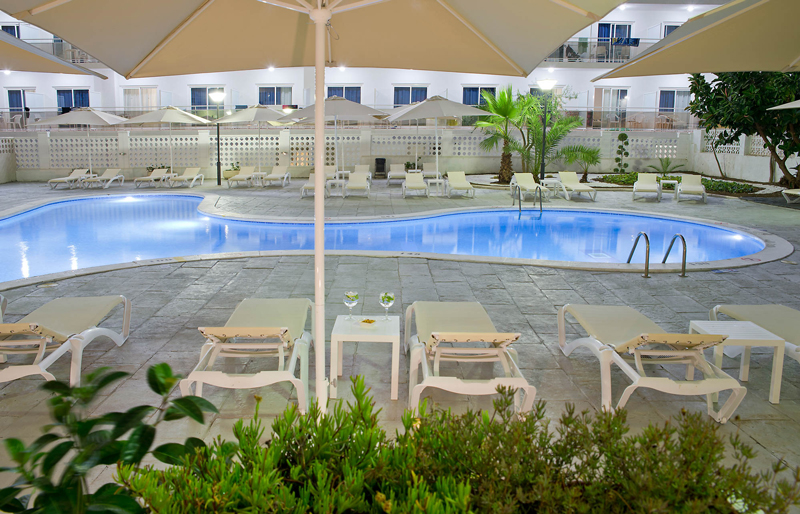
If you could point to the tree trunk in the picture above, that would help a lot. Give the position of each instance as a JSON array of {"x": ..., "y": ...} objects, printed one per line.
[
  {"x": 506, "y": 169},
  {"x": 792, "y": 180}
]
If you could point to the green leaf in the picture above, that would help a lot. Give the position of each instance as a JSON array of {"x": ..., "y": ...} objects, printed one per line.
[
  {"x": 57, "y": 387},
  {"x": 201, "y": 403},
  {"x": 184, "y": 407},
  {"x": 117, "y": 504},
  {"x": 138, "y": 444},
  {"x": 170, "y": 453},
  {"x": 110, "y": 378},
  {"x": 130, "y": 419},
  {"x": 193, "y": 443},
  {"x": 160, "y": 379},
  {"x": 8, "y": 495},
  {"x": 16, "y": 449},
  {"x": 54, "y": 456}
]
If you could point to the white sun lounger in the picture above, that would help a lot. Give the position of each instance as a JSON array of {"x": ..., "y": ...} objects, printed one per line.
[
  {"x": 104, "y": 180},
  {"x": 330, "y": 173},
  {"x": 158, "y": 177},
  {"x": 59, "y": 326},
  {"x": 358, "y": 183},
  {"x": 429, "y": 170},
  {"x": 614, "y": 331},
  {"x": 460, "y": 323},
  {"x": 691, "y": 185},
  {"x": 278, "y": 174},
  {"x": 189, "y": 177},
  {"x": 245, "y": 176},
  {"x": 415, "y": 182},
  {"x": 72, "y": 181},
  {"x": 791, "y": 192},
  {"x": 782, "y": 321},
  {"x": 569, "y": 179},
  {"x": 364, "y": 168},
  {"x": 457, "y": 181},
  {"x": 527, "y": 185},
  {"x": 647, "y": 183},
  {"x": 396, "y": 172},
  {"x": 308, "y": 189},
  {"x": 245, "y": 335}
]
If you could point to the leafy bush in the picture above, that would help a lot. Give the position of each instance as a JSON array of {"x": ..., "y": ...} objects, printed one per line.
[
  {"x": 75, "y": 444},
  {"x": 622, "y": 152},
  {"x": 665, "y": 166},
  {"x": 712, "y": 186},
  {"x": 623, "y": 179},
  {"x": 476, "y": 462}
]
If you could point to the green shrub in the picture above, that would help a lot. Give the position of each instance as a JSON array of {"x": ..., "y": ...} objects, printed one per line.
[
  {"x": 712, "y": 186},
  {"x": 475, "y": 462},
  {"x": 622, "y": 153},
  {"x": 623, "y": 179}
]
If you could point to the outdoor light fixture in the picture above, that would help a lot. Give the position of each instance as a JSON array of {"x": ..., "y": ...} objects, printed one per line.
[
  {"x": 217, "y": 97},
  {"x": 342, "y": 68},
  {"x": 271, "y": 68},
  {"x": 7, "y": 72},
  {"x": 690, "y": 8},
  {"x": 623, "y": 7},
  {"x": 551, "y": 70},
  {"x": 544, "y": 85}
]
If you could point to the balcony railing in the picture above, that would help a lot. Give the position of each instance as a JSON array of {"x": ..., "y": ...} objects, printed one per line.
[
  {"x": 610, "y": 50},
  {"x": 62, "y": 50}
]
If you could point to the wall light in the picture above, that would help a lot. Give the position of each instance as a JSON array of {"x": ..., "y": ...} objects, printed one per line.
[
  {"x": 690, "y": 8},
  {"x": 7, "y": 72},
  {"x": 271, "y": 68},
  {"x": 623, "y": 7},
  {"x": 546, "y": 84},
  {"x": 550, "y": 70},
  {"x": 342, "y": 68}
]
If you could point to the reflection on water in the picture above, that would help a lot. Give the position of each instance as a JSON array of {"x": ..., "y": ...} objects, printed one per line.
[{"x": 92, "y": 232}]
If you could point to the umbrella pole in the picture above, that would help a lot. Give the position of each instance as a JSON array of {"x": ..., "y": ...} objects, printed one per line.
[
  {"x": 336, "y": 143},
  {"x": 170, "y": 147},
  {"x": 89, "y": 147},
  {"x": 259, "y": 147},
  {"x": 320, "y": 18},
  {"x": 416, "y": 146},
  {"x": 436, "y": 143}
]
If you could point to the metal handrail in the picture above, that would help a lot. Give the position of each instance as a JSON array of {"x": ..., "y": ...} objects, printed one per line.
[
  {"x": 646, "y": 253},
  {"x": 518, "y": 191},
  {"x": 683, "y": 259}
]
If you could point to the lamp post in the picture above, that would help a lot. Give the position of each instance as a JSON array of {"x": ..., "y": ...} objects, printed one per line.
[
  {"x": 217, "y": 97},
  {"x": 545, "y": 85}
]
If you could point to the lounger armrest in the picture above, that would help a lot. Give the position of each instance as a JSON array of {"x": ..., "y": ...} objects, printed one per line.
[
  {"x": 498, "y": 339},
  {"x": 223, "y": 333},
  {"x": 674, "y": 341},
  {"x": 10, "y": 329}
]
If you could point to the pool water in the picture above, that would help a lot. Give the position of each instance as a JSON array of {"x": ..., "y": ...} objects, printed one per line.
[{"x": 83, "y": 233}]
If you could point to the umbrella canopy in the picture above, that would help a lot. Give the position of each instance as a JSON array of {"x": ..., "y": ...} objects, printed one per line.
[
  {"x": 790, "y": 105},
  {"x": 743, "y": 35},
  {"x": 337, "y": 108},
  {"x": 503, "y": 37},
  {"x": 83, "y": 116},
  {"x": 436, "y": 107},
  {"x": 17, "y": 55}
]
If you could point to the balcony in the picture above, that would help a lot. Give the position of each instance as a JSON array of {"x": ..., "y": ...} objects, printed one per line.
[
  {"x": 62, "y": 50},
  {"x": 610, "y": 51}
]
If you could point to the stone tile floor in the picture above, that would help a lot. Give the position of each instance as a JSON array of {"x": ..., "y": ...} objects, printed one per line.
[{"x": 170, "y": 301}]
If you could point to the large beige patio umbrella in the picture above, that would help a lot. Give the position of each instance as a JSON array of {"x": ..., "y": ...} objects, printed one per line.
[
  {"x": 337, "y": 109},
  {"x": 436, "y": 107},
  {"x": 503, "y": 37},
  {"x": 17, "y": 55},
  {"x": 742, "y": 35},
  {"x": 84, "y": 116},
  {"x": 255, "y": 114},
  {"x": 169, "y": 115},
  {"x": 790, "y": 105}
]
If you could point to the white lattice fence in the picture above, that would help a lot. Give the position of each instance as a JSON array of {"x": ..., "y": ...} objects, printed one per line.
[
  {"x": 755, "y": 146},
  {"x": 470, "y": 146},
  {"x": 245, "y": 150},
  {"x": 349, "y": 148},
  {"x": 155, "y": 151},
  {"x": 405, "y": 145},
  {"x": 591, "y": 141},
  {"x": 301, "y": 150},
  {"x": 6, "y": 145},
  {"x": 708, "y": 137},
  {"x": 653, "y": 147},
  {"x": 27, "y": 151},
  {"x": 73, "y": 152}
]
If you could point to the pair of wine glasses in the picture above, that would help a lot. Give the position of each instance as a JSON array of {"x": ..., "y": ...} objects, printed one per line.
[{"x": 385, "y": 299}]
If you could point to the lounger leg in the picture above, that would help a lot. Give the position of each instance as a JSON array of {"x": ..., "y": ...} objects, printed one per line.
[
  {"x": 605, "y": 380},
  {"x": 626, "y": 394},
  {"x": 416, "y": 392},
  {"x": 729, "y": 407}
]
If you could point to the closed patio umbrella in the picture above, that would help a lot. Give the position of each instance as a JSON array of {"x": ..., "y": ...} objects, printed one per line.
[
  {"x": 257, "y": 114},
  {"x": 742, "y": 35},
  {"x": 790, "y": 105},
  {"x": 337, "y": 109},
  {"x": 503, "y": 37},
  {"x": 167, "y": 115},
  {"x": 437, "y": 107},
  {"x": 17, "y": 55},
  {"x": 84, "y": 116}
]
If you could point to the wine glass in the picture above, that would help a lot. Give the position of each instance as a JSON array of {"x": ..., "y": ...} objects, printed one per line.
[
  {"x": 351, "y": 300},
  {"x": 386, "y": 300}
]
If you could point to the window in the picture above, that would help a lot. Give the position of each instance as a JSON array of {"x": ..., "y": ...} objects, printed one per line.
[
  {"x": 16, "y": 100},
  {"x": 605, "y": 31},
  {"x": 668, "y": 28},
  {"x": 139, "y": 99},
  {"x": 11, "y": 29},
  {"x": 352, "y": 93},
  {"x": 69, "y": 98},
  {"x": 557, "y": 91},
  {"x": 405, "y": 95},
  {"x": 474, "y": 95},
  {"x": 274, "y": 95},
  {"x": 200, "y": 99},
  {"x": 673, "y": 100}
]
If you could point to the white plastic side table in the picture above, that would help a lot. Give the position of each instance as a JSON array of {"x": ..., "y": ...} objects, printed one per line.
[
  {"x": 748, "y": 335},
  {"x": 441, "y": 186},
  {"x": 354, "y": 331},
  {"x": 554, "y": 184},
  {"x": 674, "y": 184},
  {"x": 335, "y": 183}
]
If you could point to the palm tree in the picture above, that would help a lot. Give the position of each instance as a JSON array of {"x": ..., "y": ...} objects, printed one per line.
[
  {"x": 585, "y": 156},
  {"x": 503, "y": 110}
]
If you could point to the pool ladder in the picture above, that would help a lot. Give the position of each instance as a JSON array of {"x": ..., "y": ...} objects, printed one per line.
[
  {"x": 518, "y": 196},
  {"x": 664, "y": 260}
]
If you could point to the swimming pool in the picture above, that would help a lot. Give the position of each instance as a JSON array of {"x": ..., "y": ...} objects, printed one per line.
[{"x": 88, "y": 232}]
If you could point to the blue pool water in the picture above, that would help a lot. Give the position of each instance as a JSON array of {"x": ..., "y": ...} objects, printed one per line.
[{"x": 90, "y": 232}]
